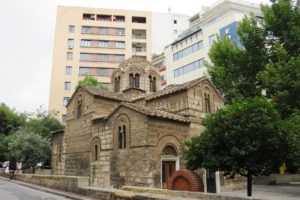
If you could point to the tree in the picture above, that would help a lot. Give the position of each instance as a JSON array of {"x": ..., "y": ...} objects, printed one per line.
[
  {"x": 243, "y": 138},
  {"x": 291, "y": 127},
  {"x": 234, "y": 69},
  {"x": 29, "y": 148},
  {"x": 269, "y": 58},
  {"x": 10, "y": 120},
  {"x": 281, "y": 76},
  {"x": 91, "y": 81},
  {"x": 43, "y": 124},
  {"x": 4, "y": 153}
]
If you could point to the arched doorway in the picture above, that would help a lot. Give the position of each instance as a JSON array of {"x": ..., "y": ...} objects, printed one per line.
[{"x": 169, "y": 163}]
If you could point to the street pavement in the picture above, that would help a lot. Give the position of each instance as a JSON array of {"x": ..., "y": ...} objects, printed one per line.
[
  {"x": 13, "y": 191},
  {"x": 271, "y": 192}
]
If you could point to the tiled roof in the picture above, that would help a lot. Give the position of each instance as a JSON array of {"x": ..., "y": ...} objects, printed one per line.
[
  {"x": 135, "y": 61},
  {"x": 175, "y": 88},
  {"x": 104, "y": 93},
  {"x": 148, "y": 111}
]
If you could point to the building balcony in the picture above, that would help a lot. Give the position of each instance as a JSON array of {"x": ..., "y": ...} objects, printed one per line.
[
  {"x": 139, "y": 50},
  {"x": 163, "y": 82},
  {"x": 162, "y": 68}
]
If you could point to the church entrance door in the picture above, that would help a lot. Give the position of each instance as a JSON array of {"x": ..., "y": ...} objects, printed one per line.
[{"x": 168, "y": 168}]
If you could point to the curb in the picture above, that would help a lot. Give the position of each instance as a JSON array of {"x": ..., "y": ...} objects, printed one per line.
[{"x": 48, "y": 190}]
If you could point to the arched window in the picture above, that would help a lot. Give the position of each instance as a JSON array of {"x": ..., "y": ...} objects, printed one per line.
[
  {"x": 131, "y": 81},
  {"x": 122, "y": 137},
  {"x": 95, "y": 149},
  {"x": 96, "y": 152},
  {"x": 207, "y": 103},
  {"x": 137, "y": 81},
  {"x": 134, "y": 81},
  {"x": 117, "y": 84},
  {"x": 169, "y": 150},
  {"x": 79, "y": 107},
  {"x": 152, "y": 83}
]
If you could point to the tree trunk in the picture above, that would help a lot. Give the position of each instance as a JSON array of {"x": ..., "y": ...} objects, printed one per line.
[{"x": 249, "y": 184}]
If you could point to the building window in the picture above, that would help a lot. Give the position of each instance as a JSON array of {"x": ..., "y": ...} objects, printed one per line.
[
  {"x": 207, "y": 103},
  {"x": 119, "y": 58},
  {"x": 103, "y": 44},
  {"x": 122, "y": 137},
  {"x": 188, "y": 68},
  {"x": 84, "y": 71},
  {"x": 117, "y": 84},
  {"x": 86, "y": 29},
  {"x": 212, "y": 38},
  {"x": 175, "y": 21},
  {"x": 134, "y": 81},
  {"x": 152, "y": 84},
  {"x": 71, "y": 29},
  {"x": 67, "y": 85},
  {"x": 103, "y": 57},
  {"x": 86, "y": 16},
  {"x": 68, "y": 70},
  {"x": 120, "y": 45},
  {"x": 120, "y": 31},
  {"x": 139, "y": 20},
  {"x": 79, "y": 108},
  {"x": 104, "y": 30},
  {"x": 85, "y": 56},
  {"x": 85, "y": 43},
  {"x": 69, "y": 56},
  {"x": 70, "y": 43},
  {"x": 187, "y": 51},
  {"x": 66, "y": 100},
  {"x": 96, "y": 152}
]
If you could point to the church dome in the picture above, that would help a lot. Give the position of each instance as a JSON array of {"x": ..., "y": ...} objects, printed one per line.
[{"x": 135, "y": 73}]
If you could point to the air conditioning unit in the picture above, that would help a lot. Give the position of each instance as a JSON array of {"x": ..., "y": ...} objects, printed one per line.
[{"x": 70, "y": 46}]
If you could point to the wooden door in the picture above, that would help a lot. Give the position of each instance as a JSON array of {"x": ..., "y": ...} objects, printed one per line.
[{"x": 168, "y": 168}]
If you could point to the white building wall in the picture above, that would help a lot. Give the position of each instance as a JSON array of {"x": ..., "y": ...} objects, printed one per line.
[
  {"x": 165, "y": 31},
  {"x": 210, "y": 22}
]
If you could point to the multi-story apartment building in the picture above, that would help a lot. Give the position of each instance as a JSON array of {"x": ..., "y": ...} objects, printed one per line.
[
  {"x": 90, "y": 41},
  {"x": 159, "y": 62},
  {"x": 185, "y": 57},
  {"x": 94, "y": 41}
]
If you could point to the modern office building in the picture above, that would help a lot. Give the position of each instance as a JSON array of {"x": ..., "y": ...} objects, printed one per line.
[
  {"x": 185, "y": 57},
  {"x": 94, "y": 41}
]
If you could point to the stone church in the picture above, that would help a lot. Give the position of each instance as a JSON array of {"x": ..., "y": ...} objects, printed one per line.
[{"x": 133, "y": 133}]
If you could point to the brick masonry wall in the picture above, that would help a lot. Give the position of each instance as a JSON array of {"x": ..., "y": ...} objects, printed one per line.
[{"x": 79, "y": 185}]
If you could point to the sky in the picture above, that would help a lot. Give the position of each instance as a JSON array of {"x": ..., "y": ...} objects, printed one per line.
[{"x": 27, "y": 37}]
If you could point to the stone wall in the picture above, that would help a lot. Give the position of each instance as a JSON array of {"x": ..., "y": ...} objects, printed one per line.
[
  {"x": 57, "y": 166},
  {"x": 79, "y": 185},
  {"x": 176, "y": 102}
]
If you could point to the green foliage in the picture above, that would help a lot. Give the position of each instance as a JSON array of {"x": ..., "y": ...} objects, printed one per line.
[
  {"x": 281, "y": 75},
  {"x": 242, "y": 137},
  {"x": 269, "y": 59},
  {"x": 43, "y": 124},
  {"x": 39, "y": 125},
  {"x": 291, "y": 127},
  {"x": 4, "y": 153},
  {"x": 10, "y": 120},
  {"x": 91, "y": 81},
  {"x": 234, "y": 69},
  {"x": 29, "y": 148}
]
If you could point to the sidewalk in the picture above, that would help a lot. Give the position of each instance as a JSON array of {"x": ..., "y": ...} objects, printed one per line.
[
  {"x": 271, "y": 192},
  {"x": 49, "y": 190}
]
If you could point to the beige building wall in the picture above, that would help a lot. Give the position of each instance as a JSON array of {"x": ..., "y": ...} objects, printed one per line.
[
  {"x": 86, "y": 23},
  {"x": 204, "y": 28}
]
